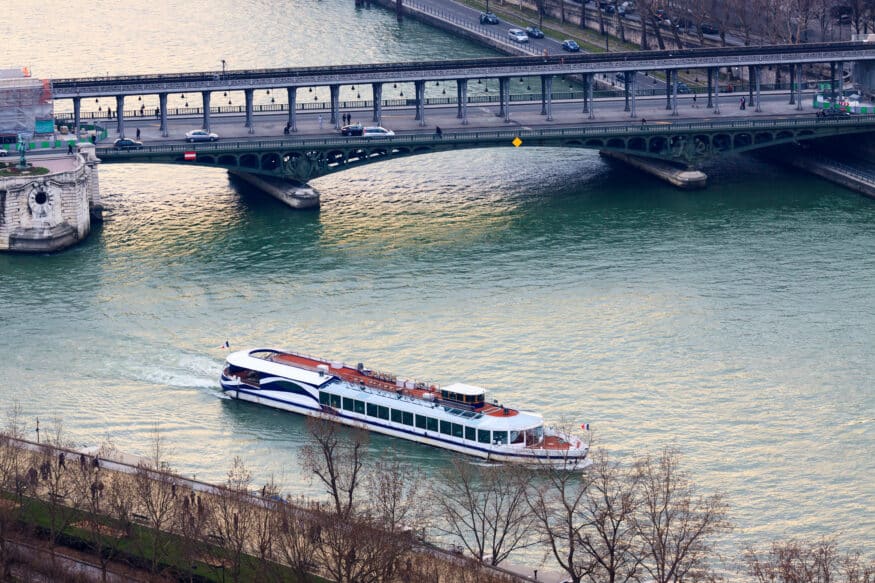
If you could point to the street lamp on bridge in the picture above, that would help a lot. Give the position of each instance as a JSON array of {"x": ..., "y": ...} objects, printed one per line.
[{"x": 223, "y": 68}]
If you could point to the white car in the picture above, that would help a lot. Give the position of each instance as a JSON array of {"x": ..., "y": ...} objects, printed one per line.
[
  {"x": 200, "y": 136},
  {"x": 517, "y": 35},
  {"x": 377, "y": 132}
]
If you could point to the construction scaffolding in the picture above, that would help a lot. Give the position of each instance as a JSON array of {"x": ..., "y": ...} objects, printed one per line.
[{"x": 25, "y": 104}]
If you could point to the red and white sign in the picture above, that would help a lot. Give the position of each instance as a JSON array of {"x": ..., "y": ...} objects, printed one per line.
[{"x": 189, "y": 156}]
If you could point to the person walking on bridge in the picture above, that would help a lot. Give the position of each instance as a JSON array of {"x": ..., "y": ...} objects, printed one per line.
[
  {"x": 320, "y": 121},
  {"x": 439, "y": 134}
]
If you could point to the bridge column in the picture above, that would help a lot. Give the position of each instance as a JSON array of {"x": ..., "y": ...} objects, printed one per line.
[
  {"x": 587, "y": 79},
  {"x": 668, "y": 73},
  {"x": 335, "y": 106},
  {"x": 751, "y": 76},
  {"x": 792, "y": 84},
  {"x": 717, "y": 91},
  {"x": 799, "y": 87},
  {"x": 504, "y": 93},
  {"x": 377, "y": 90},
  {"x": 589, "y": 84},
  {"x": 463, "y": 99},
  {"x": 544, "y": 92},
  {"x": 710, "y": 87},
  {"x": 548, "y": 96},
  {"x": 420, "y": 102},
  {"x": 120, "y": 115},
  {"x": 832, "y": 81},
  {"x": 77, "y": 114},
  {"x": 757, "y": 71},
  {"x": 205, "y": 96},
  {"x": 248, "y": 94},
  {"x": 674, "y": 92},
  {"x": 293, "y": 108},
  {"x": 162, "y": 112},
  {"x": 626, "y": 77},
  {"x": 632, "y": 80}
]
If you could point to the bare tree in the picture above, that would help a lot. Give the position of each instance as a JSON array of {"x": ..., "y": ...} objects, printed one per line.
[
  {"x": 191, "y": 522},
  {"x": 12, "y": 479},
  {"x": 298, "y": 537},
  {"x": 819, "y": 561},
  {"x": 335, "y": 456},
  {"x": 395, "y": 493},
  {"x": 155, "y": 502},
  {"x": 233, "y": 515},
  {"x": 675, "y": 525},
  {"x": 485, "y": 508}
]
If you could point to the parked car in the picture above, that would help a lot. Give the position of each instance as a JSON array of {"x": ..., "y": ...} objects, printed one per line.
[
  {"x": 127, "y": 144},
  {"x": 517, "y": 35},
  {"x": 708, "y": 28},
  {"x": 3, "y": 152},
  {"x": 534, "y": 32},
  {"x": 683, "y": 87},
  {"x": 200, "y": 136},
  {"x": 488, "y": 18},
  {"x": 570, "y": 46},
  {"x": 377, "y": 132},
  {"x": 355, "y": 129}
]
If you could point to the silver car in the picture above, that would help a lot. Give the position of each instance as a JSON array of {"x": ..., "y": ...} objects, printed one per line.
[{"x": 200, "y": 136}]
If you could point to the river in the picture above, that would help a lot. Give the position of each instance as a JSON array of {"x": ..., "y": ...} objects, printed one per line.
[{"x": 734, "y": 323}]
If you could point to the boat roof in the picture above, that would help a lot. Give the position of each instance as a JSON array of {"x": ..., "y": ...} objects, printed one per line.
[
  {"x": 463, "y": 389},
  {"x": 244, "y": 358}
]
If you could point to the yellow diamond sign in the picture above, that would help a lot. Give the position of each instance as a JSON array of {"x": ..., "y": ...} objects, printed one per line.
[{"x": 517, "y": 142}]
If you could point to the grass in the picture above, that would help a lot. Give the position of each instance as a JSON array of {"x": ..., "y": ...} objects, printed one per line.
[{"x": 11, "y": 170}]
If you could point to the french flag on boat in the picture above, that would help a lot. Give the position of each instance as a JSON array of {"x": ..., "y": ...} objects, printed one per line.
[
  {"x": 584, "y": 426},
  {"x": 226, "y": 345}
]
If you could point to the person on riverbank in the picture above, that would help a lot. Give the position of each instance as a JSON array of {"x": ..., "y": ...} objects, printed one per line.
[{"x": 438, "y": 132}]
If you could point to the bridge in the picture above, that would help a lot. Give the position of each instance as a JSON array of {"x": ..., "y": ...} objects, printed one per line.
[
  {"x": 687, "y": 143},
  {"x": 586, "y": 67}
]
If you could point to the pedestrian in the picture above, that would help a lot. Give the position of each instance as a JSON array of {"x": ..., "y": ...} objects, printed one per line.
[
  {"x": 694, "y": 101},
  {"x": 438, "y": 132},
  {"x": 643, "y": 121},
  {"x": 288, "y": 128},
  {"x": 320, "y": 121},
  {"x": 93, "y": 138},
  {"x": 70, "y": 148},
  {"x": 138, "y": 133}
]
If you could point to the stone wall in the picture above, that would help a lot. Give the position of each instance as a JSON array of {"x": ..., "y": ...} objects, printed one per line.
[{"x": 46, "y": 213}]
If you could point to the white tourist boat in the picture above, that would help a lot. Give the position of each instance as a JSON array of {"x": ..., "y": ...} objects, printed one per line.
[{"x": 455, "y": 417}]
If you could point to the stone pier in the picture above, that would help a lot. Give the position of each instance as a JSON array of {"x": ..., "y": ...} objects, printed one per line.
[
  {"x": 685, "y": 179},
  {"x": 293, "y": 194},
  {"x": 49, "y": 211}
]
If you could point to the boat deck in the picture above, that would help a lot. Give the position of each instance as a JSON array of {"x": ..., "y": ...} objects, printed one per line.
[{"x": 420, "y": 391}]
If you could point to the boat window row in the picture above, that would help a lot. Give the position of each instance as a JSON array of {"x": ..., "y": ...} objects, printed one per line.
[{"x": 423, "y": 421}]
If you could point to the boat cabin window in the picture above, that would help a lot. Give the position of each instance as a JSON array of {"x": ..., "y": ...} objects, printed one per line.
[
  {"x": 329, "y": 399},
  {"x": 517, "y": 436},
  {"x": 535, "y": 435},
  {"x": 458, "y": 430},
  {"x": 483, "y": 436},
  {"x": 432, "y": 424},
  {"x": 407, "y": 418},
  {"x": 446, "y": 428},
  {"x": 372, "y": 410},
  {"x": 499, "y": 437},
  {"x": 470, "y": 433},
  {"x": 420, "y": 421},
  {"x": 383, "y": 412},
  {"x": 470, "y": 400},
  {"x": 396, "y": 416},
  {"x": 360, "y": 407},
  {"x": 348, "y": 404}
]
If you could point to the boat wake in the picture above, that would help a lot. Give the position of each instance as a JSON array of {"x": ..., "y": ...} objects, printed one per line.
[{"x": 188, "y": 371}]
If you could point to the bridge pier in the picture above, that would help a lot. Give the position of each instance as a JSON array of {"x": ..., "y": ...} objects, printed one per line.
[
  {"x": 674, "y": 92},
  {"x": 120, "y": 115},
  {"x": 717, "y": 93},
  {"x": 377, "y": 89},
  {"x": 633, "y": 89},
  {"x": 792, "y": 84},
  {"x": 668, "y": 73},
  {"x": 293, "y": 194},
  {"x": 799, "y": 87},
  {"x": 590, "y": 81},
  {"x": 205, "y": 96},
  {"x": 626, "y": 85},
  {"x": 710, "y": 87},
  {"x": 162, "y": 112},
  {"x": 504, "y": 96},
  {"x": 544, "y": 93},
  {"x": 757, "y": 71},
  {"x": 293, "y": 108},
  {"x": 685, "y": 179}
]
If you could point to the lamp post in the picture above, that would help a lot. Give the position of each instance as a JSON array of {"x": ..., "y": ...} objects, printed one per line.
[{"x": 223, "y": 68}]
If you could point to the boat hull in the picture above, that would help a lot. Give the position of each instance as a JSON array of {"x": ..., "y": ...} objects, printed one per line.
[{"x": 309, "y": 406}]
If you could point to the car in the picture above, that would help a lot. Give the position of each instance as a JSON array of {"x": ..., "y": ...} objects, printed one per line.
[
  {"x": 621, "y": 77},
  {"x": 488, "y": 18},
  {"x": 127, "y": 144},
  {"x": 377, "y": 132},
  {"x": 534, "y": 32},
  {"x": 354, "y": 129},
  {"x": 517, "y": 35},
  {"x": 708, "y": 28},
  {"x": 3, "y": 152},
  {"x": 606, "y": 7},
  {"x": 570, "y": 46},
  {"x": 683, "y": 87},
  {"x": 200, "y": 136},
  {"x": 833, "y": 113}
]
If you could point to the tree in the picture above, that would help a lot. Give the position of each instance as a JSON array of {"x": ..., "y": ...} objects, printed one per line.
[
  {"x": 794, "y": 561},
  {"x": 335, "y": 456},
  {"x": 233, "y": 515},
  {"x": 485, "y": 508},
  {"x": 675, "y": 524}
]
